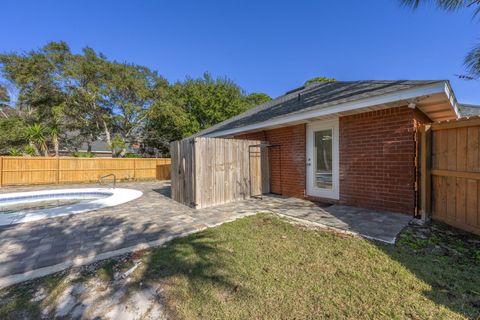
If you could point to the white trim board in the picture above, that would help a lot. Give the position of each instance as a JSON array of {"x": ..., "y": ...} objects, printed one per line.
[{"x": 344, "y": 107}]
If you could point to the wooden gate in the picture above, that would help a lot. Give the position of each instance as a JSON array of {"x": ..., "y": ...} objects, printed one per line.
[{"x": 450, "y": 173}]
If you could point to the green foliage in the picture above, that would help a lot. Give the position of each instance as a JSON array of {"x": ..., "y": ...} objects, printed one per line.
[
  {"x": 194, "y": 105},
  {"x": 117, "y": 145},
  {"x": 132, "y": 155},
  {"x": 211, "y": 100},
  {"x": 319, "y": 79},
  {"x": 29, "y": 150},
  {"x": 37, "y": 75},
  {"x": 25, "y": 150},
  {"x": 12, "y": 133},
  {"x": 263, "y": 267},
  {"x": 255, "y": 99},
  {"x": 472, "y": 60},
  {"x": 14, "y": 152},
  {"x": 81, "y": 154},
  {"x": 37, "y": 137},
  {"x": 67, "y": 99},
  {"x": 444, "y": 4},
  {"x": 4, "y": 97}
]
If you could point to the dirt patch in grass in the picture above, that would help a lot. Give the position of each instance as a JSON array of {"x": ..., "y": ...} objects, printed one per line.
[{"x": 264, "y": 267}]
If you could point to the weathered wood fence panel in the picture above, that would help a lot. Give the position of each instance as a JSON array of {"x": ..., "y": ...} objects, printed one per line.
[
  {"x": 53, "y": 170},
  {"x": 211, "y": 171},
  {"x": 453, "y": 195}
]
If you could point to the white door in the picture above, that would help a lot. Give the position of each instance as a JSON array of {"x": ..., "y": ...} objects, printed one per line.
[{"x": 322, "y": 159}]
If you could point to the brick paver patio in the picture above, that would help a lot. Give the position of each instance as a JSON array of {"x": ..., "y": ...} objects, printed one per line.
[{"x": 50, "y": 245}]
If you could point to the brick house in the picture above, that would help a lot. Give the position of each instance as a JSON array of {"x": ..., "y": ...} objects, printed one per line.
[{"x": 351, "y": 142}]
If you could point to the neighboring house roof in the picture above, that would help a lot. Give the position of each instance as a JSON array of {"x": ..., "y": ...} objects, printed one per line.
[
  {"x": 96, "y": 146},
  {"x": 469, "y": 110},
  {"x": 100, "y": 146},
  {"x": 321, "y": 98}
]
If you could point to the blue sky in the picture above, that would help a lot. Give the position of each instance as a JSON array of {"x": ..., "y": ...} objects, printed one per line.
[{"x": 264, "y": 46}]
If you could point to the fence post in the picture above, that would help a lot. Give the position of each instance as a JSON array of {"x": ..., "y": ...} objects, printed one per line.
[
  {"x": 58, "y": 170},
  {"x": 134, "y": 168},
  {"x": 425, "y": 167}
]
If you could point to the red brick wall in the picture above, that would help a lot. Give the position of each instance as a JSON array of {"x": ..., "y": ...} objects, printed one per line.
[
  {"x": 287, "y": 176},
  {"x": 377, "y": 159}
]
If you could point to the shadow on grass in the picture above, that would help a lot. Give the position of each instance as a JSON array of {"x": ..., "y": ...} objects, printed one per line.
[
  {"x": 448, "y": 260},
  {"x": 195, "y": 259},
  {"x": 196, "y": 262}
]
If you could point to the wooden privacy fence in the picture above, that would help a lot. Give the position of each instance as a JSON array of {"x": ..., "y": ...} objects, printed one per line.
[
  {"x": 450, "y": 173},
  {"x": 52, "y": 170},
  {"x": 212, "y": 171}
]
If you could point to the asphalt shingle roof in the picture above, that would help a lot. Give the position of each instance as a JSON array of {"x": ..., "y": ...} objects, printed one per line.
[
  {"x": 316, "y": 97},
  {"x": 469, "y": 110}
]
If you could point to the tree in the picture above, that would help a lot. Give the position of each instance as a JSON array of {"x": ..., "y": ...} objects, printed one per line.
[
  {"x": 318, "y": 79},
  {"x": 54, "y": 133},
  {"x": 83, "y": 96},
  {"x": 37, "y": 138},
  {"x": 4, "y": 97},
  {"x": 37, "y": 75},
  {"x": 472, "y": 60},
  {"x": 131, "y": 92},
  {"x": 193, "y": 105},
  {"x": 12, "y": 138},
  {"x": 4, "y": 100},
  {"x": 65, "y": 99},
  {"x": 167, "y": 121},
  {"x": 86, "y": 76},
  {"x": 255, "y": 99},
  {"x": 211, "y": 100}
]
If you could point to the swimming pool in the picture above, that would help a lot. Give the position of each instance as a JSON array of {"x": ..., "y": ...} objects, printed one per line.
[{"x": 20, "y": 207}]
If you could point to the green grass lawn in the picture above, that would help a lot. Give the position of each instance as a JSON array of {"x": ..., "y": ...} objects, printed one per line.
[{"x": 262, "y": 267}]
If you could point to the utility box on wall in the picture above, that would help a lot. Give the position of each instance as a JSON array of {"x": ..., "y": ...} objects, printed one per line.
[{"x": 212, "y": 171}]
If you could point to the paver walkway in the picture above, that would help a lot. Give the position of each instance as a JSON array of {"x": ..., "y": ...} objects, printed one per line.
[{"x": 38, "y": 248}]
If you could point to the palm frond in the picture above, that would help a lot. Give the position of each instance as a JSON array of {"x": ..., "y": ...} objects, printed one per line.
[
  {"x": 472, "y": 61},
  {"x": 450, "y": 5},
  {"x": 411, "y": 3}
]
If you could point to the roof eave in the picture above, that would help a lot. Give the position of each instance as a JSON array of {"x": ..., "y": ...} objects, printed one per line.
[{"x": 408, "y": 94}]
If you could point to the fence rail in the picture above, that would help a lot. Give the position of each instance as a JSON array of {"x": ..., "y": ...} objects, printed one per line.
[{"x": 56, "y": 170}]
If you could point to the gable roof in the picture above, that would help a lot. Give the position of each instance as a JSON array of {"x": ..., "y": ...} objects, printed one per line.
[
  {"x": 318, "y": 96},
  {"x": 469, "y": 110}
]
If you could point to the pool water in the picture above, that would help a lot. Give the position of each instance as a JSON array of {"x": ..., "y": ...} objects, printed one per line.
[
  {"x": 33, "y": 203},
  {"x": 39, "y": 205},
  {"x": 22, "y": 207}
]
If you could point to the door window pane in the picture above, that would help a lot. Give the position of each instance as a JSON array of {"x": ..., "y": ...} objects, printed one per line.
[{"x": 323, "y": 162}]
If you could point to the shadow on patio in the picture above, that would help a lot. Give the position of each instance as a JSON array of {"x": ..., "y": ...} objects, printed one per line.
[
  {"x": 250, "y": 260},
  {"x": 275, "y": 267},
  {"x": 48, "y": 243}
]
